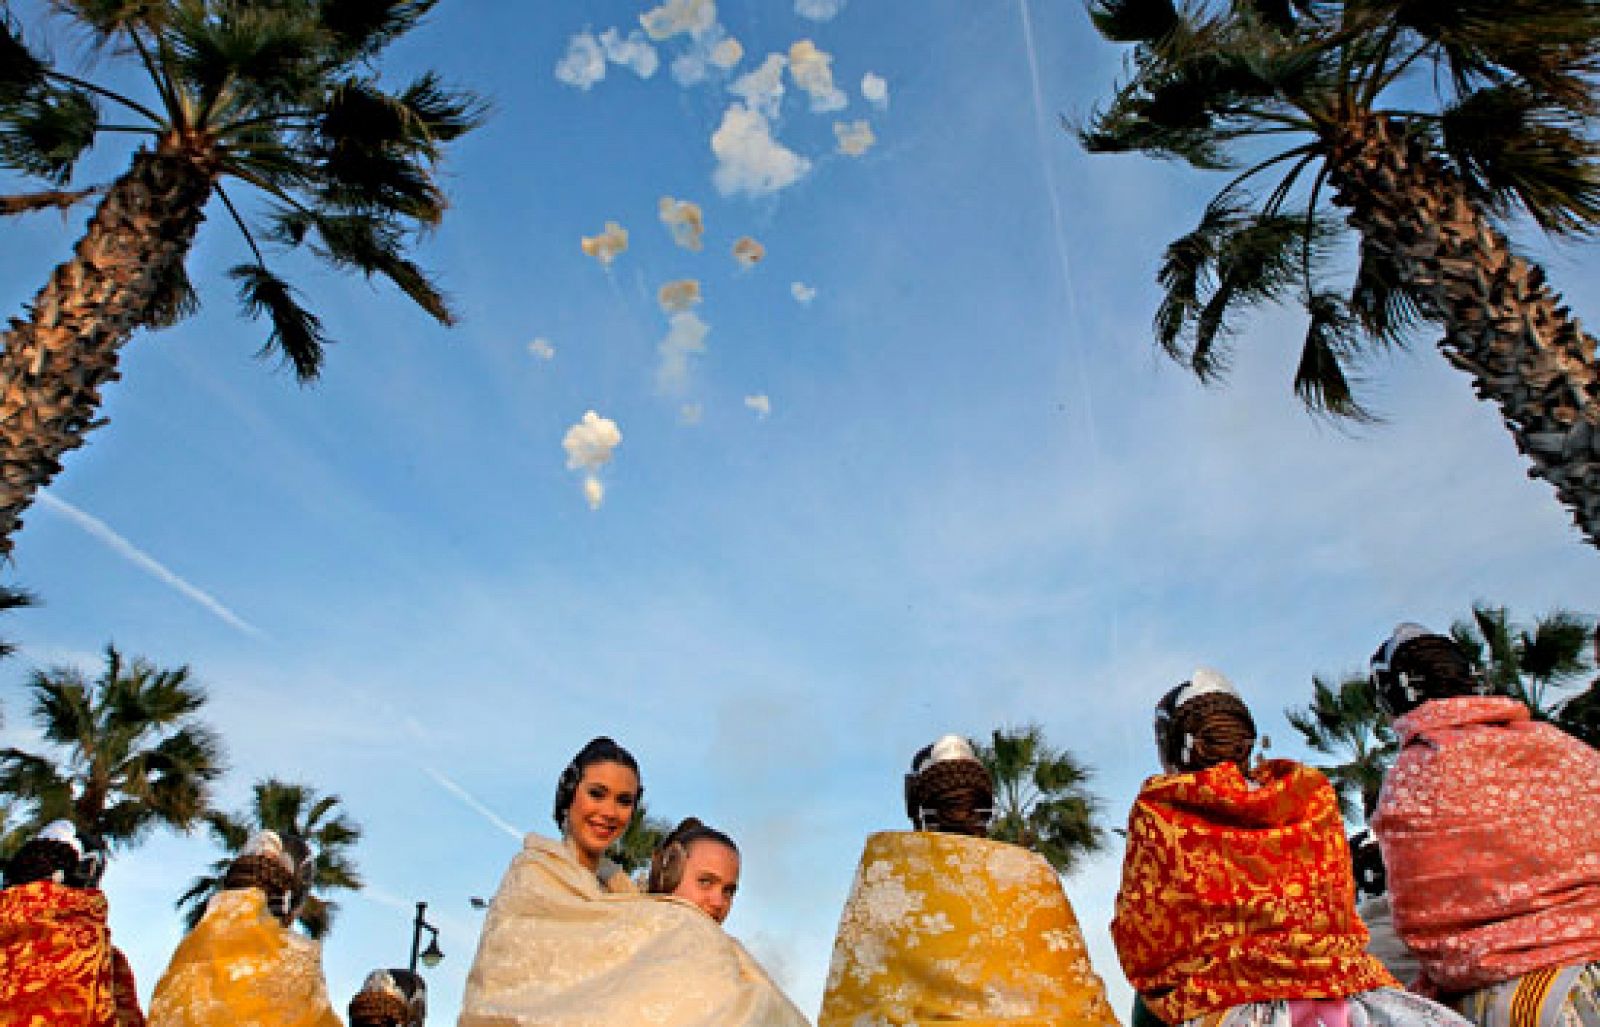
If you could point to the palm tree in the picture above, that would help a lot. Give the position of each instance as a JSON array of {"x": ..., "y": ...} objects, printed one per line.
[
  {"x": 12, "y": 599},
  {"x": 638, "y": 843},
  {"x": 279, "y": 98},
  {"x": 128, "y": 751},
  {"x": 1429, "y": 126},
  {"x": 1343, "y": 721},
  {"x": 1525, "y": 664},
  {"x": 1041, "y": 797},
  {"x": 289, "y": 809}
]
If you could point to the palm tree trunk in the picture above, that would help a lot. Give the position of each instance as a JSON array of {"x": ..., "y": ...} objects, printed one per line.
[
  {"x": 1504, "y": 325},
  {"x": 53, "y": 364}
]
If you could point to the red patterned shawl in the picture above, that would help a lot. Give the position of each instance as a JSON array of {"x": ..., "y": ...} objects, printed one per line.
[
  {"x": 1490, "y": 826},
  {"x": 1238, "y": 890},
  {"x": 55, "y": 957}
]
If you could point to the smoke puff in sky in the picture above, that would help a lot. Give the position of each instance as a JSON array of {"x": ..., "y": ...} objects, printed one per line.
[
  {"x": 818, "y": 10},
  {"x": 686, "y": 337},
  {"x": 684, "y": 220},
  {"x": 749, "y": 160},
  {"x": 541, "y": 348},
  {"x": 590, "y": 445},
  {"x": 762, "y": 89},
  {"x": 584, "y": 63},
  {"x": 875, "y": 90},
  {"x": 711, "y": 49},
  {"x": 760, "y": 403},
  {"x": 855, "y": 137},
  {"x": 748, "y": 252},
  {"x": 678, "y": 296},
  {"x": 608, "y": 244},
  {"x": 633, "y": 53},
  {"x": 679, "y": 16},
  {"x": 812, "y": 70},
  {"x": 803, "y": 294}
]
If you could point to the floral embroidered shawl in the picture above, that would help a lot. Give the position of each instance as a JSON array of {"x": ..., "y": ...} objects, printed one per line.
[
  {"x": 943, "y": 927},
  {"x": 240, "y": 965},
  {"x": 1238, "y": 890},
  {"x": 56, "y": 957},
  {"x": 1490, "y": 826},
  {"x": 558, "y": 950}
]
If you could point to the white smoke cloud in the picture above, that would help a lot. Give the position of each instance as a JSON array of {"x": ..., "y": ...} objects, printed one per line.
[
  {"x": 634, "y": 53},
  {"x": 803, "y": 294},
  {"x": 727, "y": 53},
  {"x": 748, "y": 252},
  {"x": 590, "y": 444},
  {"x": 684, "y": 220},
  {"x": 675, "y": 17},
  {"x": 676, "y": 297},
  {"x": 542, "y": 349},
  {"x": 818, "y": 10},
  {"x": 607, "y": 245},
  {"x": 762, "y": 89},
  {"x": 812, "y": 70},
  {"x": 686, "y": 338},
  {"x": 749, "y": 159},
  {"x": 761, "y": 404},
  {"x": 875, "y": 90},
  {"x": 855, "y": 137},
  {"x": 584, "y": 63},
  {"x": 712, "y": 49}
]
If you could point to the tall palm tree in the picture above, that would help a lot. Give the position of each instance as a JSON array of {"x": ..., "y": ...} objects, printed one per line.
[
  {"x": 638, "y": 843},
  {"x": 1041, "y": 799},
  {"x": 1529, "y": 665},
  {"x": 127, "y": 753},
  {"x": 289, "y": 809},
  {"x": 1343, "y": 721},
  {"x": 277, "y": 98},
  {"x": 1428, "y": 127}
]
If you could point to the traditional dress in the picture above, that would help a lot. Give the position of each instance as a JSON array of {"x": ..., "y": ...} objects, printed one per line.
[
  {"x": 241, "y": 966},
  {"x": 1238, "y": 905},
  {"x": 943, "y": 927},
  {"x": 1490, "y": 826},
  {"x": 557, "y": 949},
  {"x": 57, "y": 965}
]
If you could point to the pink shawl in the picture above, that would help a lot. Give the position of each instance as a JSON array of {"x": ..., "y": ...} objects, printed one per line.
[{"x": 1490, "y": 826}]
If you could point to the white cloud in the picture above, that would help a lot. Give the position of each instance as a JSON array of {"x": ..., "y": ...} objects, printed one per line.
[
  {"x": 684, "y": 220},
  {"x": 749, "y": 159},
  {"x": 607, "y": 245},
  {"x": 854, "y": 137},
  {"x": 812, "y": 70},
  {"x": 748, "y": 252},
  {"x": 584, "y": 63},
  {"x": 803, "y": 294},
  {"x": 676, "y": 17},
  {"x": 712, "y": 49},
  {"x": 761, "y": 404},
  {"x": 634, "y": 53},
  {"x": 147, "y": 563},
  {"x": 678, "y": 296},
  {"x": 762, "y": 89},
  {"x": 590, "y": 444},
  {"x": 818, "y": 10},
  {"x": 686, "y": 338},
  {"x": 875, "y": 90},
  {"x": 542, "y": 349},
  {"x": 727, "y": 53}
]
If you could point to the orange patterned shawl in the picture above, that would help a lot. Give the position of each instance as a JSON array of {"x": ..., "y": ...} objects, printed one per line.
[
  {"x": 55, "y": 957},
  {"x": 1490, "y": 826},
  {"x": 1239, "y": 890}
]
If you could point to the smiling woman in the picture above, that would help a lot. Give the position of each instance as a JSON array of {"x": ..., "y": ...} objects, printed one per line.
[{"x": 569, "y": 940}]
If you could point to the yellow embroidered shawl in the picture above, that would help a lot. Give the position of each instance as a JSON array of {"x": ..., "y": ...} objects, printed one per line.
[
  {"x": 558, "y": 950},
  {"x": 942, "y": 927},
  {"x": 241, "y": 966}
]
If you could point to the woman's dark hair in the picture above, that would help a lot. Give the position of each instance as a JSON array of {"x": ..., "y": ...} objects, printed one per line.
[
  {"x": 599, "y": 750},
  {"x": 1210, "y": 729},
  {"x": 39, "y": 859},
  {"x": 667, "y": 862},
  {"x": 1421, "y": 669}
]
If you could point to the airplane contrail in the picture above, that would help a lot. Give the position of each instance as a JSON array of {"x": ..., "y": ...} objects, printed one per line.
[
  {"x": 467, "y": 797},
  {"x": 147, "y": 563}
]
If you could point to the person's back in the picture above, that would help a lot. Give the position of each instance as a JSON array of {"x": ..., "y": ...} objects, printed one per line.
[{"x": 1490, "y": 827}]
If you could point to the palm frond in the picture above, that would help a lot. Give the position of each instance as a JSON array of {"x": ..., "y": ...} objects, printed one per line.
[
  {"x": 362, "y": 28},
  {"x": 1134, "y": 21},
  {"x": 264, "y": 55},
  {"x": 1322, "y": 380},
  {"x": 45, "y": 132},
  {"x": 373, "y": 246},
  {"x": 174, "y": 298},
  {"x": 22, "y": 72},
  {"x": 297, "y": 334}
]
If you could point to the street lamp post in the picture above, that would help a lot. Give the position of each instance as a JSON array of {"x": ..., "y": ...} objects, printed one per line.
[{"x": 431, "y": 955}]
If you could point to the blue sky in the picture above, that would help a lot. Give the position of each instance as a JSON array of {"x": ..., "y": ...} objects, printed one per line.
[{"x": 978, "y": 496}]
